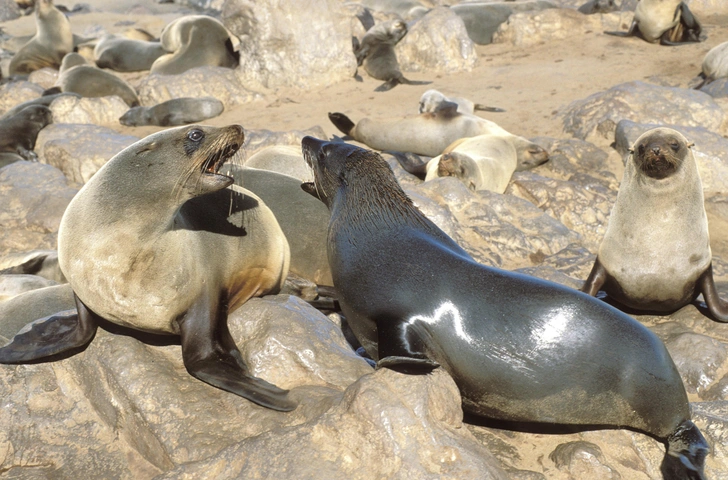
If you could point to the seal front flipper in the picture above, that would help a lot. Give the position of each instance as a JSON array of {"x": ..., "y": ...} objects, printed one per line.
[
  {"x": 686, "y": 452},
  {"x": 716, "y": 306},
  {"x": 401, "y": 348},
  {"x": 596, "y": 279},
  {"x": 57, "y": 334},
  {"x": 210, "y": 354},
  {"x": 411, "y": 163},
  {"x": 342, "y": 122}
]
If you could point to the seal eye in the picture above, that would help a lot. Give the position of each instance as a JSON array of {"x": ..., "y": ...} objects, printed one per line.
[
  {"x": 641, "y": 150},
  {"x": 675, "y": 146},
  {"x": 195, "y": 135}
]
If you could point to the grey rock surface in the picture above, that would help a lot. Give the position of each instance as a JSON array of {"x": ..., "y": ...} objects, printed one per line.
[{"x": 94, "y": 111}]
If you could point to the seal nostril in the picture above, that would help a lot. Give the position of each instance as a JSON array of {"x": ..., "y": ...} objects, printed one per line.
[{"x": 656, "y": 150}]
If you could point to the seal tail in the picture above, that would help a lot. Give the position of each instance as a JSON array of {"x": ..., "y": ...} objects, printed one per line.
[
  {"x": 485, "y": 108},
  {"x": 342, "y": 122},
  {"x": 686, "y": 452}
]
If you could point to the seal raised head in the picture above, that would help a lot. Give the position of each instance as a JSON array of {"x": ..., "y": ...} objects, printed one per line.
[
  {"x": 655, "y": 254},
  {"x": 156, "y": 242},
  {"x": 520, "y": 349},
  {"x": 52, "y": 40}
]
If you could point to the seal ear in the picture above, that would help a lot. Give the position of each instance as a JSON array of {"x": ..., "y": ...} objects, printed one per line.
[{"x": 691, "y": 145}]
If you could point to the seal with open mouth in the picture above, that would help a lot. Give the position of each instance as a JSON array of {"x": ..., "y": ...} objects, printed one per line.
[
  {"x": 656, "y": 254},
  {"x": 156, "y": 242},
  {"x": 520, "y": 349}
]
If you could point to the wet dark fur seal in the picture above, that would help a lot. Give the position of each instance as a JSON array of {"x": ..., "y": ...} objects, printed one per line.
[
  {"x": 52, "y": 40},
  {"x": 376, "y": 54},
  {"x": 156, "y": 242},
  {"x": 669, "y": 22},
  {"x": 655, "y": 254},
  {"x": 520, "y": 349},
  {"x": 19, "y": 132},
  {"x": 178, "y": 111}
]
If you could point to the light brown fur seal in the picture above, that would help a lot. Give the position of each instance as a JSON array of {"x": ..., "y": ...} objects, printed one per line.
[{"x": 52, "y": 40}]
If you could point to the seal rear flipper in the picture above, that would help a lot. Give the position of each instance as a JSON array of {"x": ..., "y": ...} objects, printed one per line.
[
  {"x": 210, "y": 354},
  {"x": 629, "y": 33},
  {"x": 408, "y": 364},
  {"x": 342, "y": 122},
  {"x": 401, "y": 348},
  {"x": 716, "y": 306},
  {"x": 58, "y": 334},
  {"x": 407, "y": 81},
  {"x": 388, "y": 85},
  {"x": 485, "y": 108},
  {"x": 411, "y": 163},
  {"x": 686, "y": 452},
  {"x": 596, "y": 279}
]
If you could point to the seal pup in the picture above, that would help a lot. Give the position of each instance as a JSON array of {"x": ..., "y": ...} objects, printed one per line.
[
  {"x": 77, "y": 76},
  {"x": 174, "y": 112},
  {"x": 285, "y": 159},
  {"x": 433, "y": 100},
  {"x": 19, "y": 132},
  {"x": 429, "y": 133},
  {"x": 123, "y": 54},
  {"x": 655, "y": 254},
  {"x": 53, "y": 39},
  {"x": 194, "y": 41},
  {"x": 156, "y": 242},
  {"x": 669, "y": 22},
  {"x": 715, "y": 66},
  {"x": 520, "y": 349},
  {"x": 376, "y": 54}
]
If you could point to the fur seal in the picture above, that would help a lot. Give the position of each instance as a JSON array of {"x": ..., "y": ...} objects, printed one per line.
[
  {"x": 123, "y": 54},
  {"x": 376, "y": 54},
  {"x": 655, "y": 254},
  {"x": 431, "y": 133},
  {"x": 178, "y": 111},
  {"x": 53, "y": 39},
  {"x": 86, "y": 80},
  {"x": 715, "y": 66},
  {"x": 19, "y": 132},
  {"x": 195, "y": 41},
  {"x": 520, "y": 349},
  {"x": 285, "y": 159},
  {"x": 669, "y": 22},
  {"x": 156, "y": 242},
  {"x": 432, "y": 100}
]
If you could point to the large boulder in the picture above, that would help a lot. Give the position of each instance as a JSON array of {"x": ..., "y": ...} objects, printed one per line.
[
  {"x": 437, "y": 43},
  {"x": 94, "y": 111},
  {"x": 287, "y": 43}
]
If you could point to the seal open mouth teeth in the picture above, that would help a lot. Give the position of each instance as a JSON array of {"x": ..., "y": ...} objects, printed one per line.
[{"x": 211, "y": 166}]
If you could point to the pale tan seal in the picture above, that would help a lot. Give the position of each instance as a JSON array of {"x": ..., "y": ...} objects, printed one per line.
[
  {"x": 715, "y": 66},
  {"x": 177, "y": 111},
  {"x": 428, "y": 133},
  {"x": 285, "y": 159},
  {"x": 122, "y": 54},
  {"x": 156, "y": 242},
  {"x": 52, "y": 40},
  {"x": 194, "y": 41},
  {"x": 76, "y": 76},
  {"x": 433, "y": 100},
  {"x": 669, "y": 22},
  {"x": 655, "y": 254}
]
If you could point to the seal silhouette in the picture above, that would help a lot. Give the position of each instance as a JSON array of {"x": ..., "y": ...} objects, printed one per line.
[
  {"x": 656, "y": 254},
  {"x": 156, "y": 242},
  {"x": 520, "y": 349}
]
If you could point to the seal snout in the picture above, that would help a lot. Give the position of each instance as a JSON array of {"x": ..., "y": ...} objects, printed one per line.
[{"x": 658, "y": 158}]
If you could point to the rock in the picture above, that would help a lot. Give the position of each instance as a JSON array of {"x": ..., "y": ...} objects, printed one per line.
[
  {"x": 437, "y": 43},
  {"x": 710, "y": 150},
  {"x": 8, "y": 10},
  {"x": 279, "y": 50},
  {"x": 539, "y": 26},
  {"x": 717, "y": 88},
  {"x": 21, "y": 309},
  {"x": 285, "y": 159},
  {"x": 582, "y": 460},
  {"x": 482, "y": 19},
  {"x": 701, "y": 360},
  {"x": 707, "y": 8},
  {"x": 405, "y": 9},
  {"x": 45, "y": 77},
  {"x": 497, "y": 230},
  {"x": 33, "y": 198},
  {"x": 131, "y": 407},
  {"x": 14, "y": 93},
  {"x": 387, "y": 425},
  {"x": 716, "y": 208},
  {"x": 79, "y": 150},
  {"x": 712, "y": 419},
  {"x": 578, "y": 161},
  {"x": 95, "y": 111},
  {"x": 595, "y": 118},
  {"x": 582, "y": 210},
  {"x": 219, "y": 82}
]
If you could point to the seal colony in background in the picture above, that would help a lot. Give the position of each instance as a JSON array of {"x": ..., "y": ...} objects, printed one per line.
[
  {"x": 520, "y": 349},
  {"x": 156, "y": 242}
]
